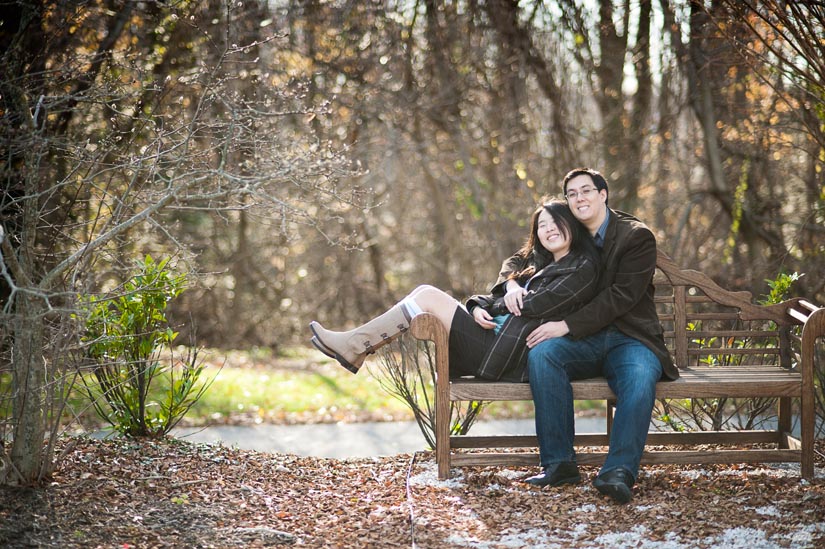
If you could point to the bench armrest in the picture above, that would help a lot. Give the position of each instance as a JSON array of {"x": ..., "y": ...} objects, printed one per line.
[{"x": 813, "y": 320}]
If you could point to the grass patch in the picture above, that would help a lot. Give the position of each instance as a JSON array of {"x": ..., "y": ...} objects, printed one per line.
[
  {"x": 325, "y": 391},
  {"x": 299, "y": 385}
]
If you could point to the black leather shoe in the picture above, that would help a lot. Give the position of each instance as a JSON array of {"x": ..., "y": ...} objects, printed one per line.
[
  {"x": 616, "y": 483},
  {"x": 565, "y": 472}
]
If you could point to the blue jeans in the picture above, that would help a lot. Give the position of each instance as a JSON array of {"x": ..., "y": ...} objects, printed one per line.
[{"x": 631, "y": 370}]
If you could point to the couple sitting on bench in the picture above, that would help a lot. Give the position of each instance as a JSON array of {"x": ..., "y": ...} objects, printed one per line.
[{"x": 579, "y": 297}]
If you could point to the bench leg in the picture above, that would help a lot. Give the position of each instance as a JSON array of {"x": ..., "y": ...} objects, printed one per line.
[
  {"x": 442, "y": 414},
  {"x": 427, "y": 327},
  {"x": 442, "y": 437},
  {"x": 813, "y": 330},
  {"x": 806, "y": 433},
  {"x": 611, "y": 409},
  {"x": 784, "y": 423}
]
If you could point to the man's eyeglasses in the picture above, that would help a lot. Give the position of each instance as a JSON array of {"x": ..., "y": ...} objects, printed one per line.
[{"x": 585, "y": 193}]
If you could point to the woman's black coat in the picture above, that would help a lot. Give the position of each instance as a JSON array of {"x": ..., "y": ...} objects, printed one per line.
[{"x": 552, "y": 293}]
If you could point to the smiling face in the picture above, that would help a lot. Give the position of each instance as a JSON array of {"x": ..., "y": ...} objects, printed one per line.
[
  {"x": 587, "y": 203},
  {"x": 552, "y": 237}
]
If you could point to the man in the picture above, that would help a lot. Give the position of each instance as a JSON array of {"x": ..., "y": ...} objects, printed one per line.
[{"x": 617, "y": 335}]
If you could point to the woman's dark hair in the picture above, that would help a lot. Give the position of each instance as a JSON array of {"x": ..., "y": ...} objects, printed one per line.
[{"x": 581, "y": 242}]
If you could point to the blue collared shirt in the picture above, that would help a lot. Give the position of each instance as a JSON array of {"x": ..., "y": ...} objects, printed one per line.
[{"x": 600, "y": 234}]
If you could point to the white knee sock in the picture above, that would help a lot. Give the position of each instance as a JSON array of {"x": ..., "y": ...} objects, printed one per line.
[{"x": 412, "y": 307}]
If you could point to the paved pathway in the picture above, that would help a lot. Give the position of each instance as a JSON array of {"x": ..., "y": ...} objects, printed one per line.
[{"x": 343, "y": 440}]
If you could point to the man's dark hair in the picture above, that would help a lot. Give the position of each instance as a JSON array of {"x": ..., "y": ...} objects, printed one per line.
[{"x": 598, "y": 180}]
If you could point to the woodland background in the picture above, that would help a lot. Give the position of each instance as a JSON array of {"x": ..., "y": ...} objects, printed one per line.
[{"x": 317, "y": 160}]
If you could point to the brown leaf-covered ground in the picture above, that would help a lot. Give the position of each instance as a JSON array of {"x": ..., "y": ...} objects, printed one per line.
[{"x": 168, "y": 493}]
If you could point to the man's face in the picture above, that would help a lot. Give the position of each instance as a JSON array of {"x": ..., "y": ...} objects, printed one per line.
[{"x": 586, "y": 202}]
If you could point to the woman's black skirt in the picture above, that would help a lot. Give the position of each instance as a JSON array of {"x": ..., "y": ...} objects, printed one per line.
[{"x": 469, "y": 343}]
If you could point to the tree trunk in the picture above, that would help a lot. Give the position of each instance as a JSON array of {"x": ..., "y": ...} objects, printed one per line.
[
  {"x": 29, "y": 382},
  {"x": 609, "y": 97},
  {"x": 637, "y": 133},
  {"x": 517, "y": 44},
  {"x": 702, "y": 99}
]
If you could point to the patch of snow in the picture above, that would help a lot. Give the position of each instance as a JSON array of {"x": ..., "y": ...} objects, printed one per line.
[
  {"x": 429, "y": 477},
  {"x": 586, "y": 508},
  {"x": 767, "y": 511},
  {"x": 456, "y": 539},
  {"x": 778, "y": 470},
  {"x": 741, "y": 538},
  {"x": 509, "y": 538},
  {"x": 579, "y": 530},
  {"x": 511, "y": 474},
  {"x": 530, "y": 538},
  {"x": 804, "y": 537},
  {"x": 693, "y": 474},
  {"x": 672, "y": 537},
  {"x": 636, "y": 537}
]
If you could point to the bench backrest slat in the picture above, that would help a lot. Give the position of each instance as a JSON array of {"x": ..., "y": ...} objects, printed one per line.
[
  {"x": 716, "y": 351},
  {"x": 735, "y": 333},
  {"x": 704, "y": 324}
]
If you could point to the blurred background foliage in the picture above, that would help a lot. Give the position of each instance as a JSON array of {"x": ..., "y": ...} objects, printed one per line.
[
  {"x": 458, "y": 116},
  {"x": 451, "y": 119}
]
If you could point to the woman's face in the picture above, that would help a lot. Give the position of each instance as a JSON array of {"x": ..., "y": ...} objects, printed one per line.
[{"x": 551, "y": 236}]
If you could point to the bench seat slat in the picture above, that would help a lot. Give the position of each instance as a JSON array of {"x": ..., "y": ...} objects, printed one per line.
[
  {"x": 648, "y": 457},
  {"x": 601, "y": 439},
  {"x": 693, "y": 383}
]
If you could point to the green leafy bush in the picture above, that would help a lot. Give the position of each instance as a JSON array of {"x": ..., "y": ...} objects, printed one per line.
[
  {"x": 128, "y": 341},
  {"x": 780, "y": 288}
]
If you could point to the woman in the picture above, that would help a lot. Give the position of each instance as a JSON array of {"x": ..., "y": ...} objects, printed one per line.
[{"x": 558, "y": 273}]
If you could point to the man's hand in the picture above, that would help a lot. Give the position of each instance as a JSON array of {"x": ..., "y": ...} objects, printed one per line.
[
  {"x": 548, "y": 330},
  {"x": 483, "y": 318},
  {"x": 514, "y": 298}
]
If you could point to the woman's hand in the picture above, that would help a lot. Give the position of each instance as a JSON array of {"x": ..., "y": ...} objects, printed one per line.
[
  {"x": 548, "y": 330},
  {"x": 483, "y": 318},
  {"x": 514, "y": 298}
]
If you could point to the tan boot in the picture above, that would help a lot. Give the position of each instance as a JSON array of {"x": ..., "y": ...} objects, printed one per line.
[{"x": 352, "y": 347}]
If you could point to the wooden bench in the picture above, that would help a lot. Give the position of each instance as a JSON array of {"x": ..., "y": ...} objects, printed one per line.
[{"x": 724, "y": 346}]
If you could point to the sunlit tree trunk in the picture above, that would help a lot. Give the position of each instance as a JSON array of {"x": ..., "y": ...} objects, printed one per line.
[
  {"x": 637, "y": 133},
  {"x": 609, "y": 97},
  {"x": 519, "y": 56},
  {"x": 700, "y": 82}
]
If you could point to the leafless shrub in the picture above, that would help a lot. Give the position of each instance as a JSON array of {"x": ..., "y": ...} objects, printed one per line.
[{"x": 408, "y": 373}]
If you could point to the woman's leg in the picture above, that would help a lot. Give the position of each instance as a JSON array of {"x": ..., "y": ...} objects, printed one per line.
[
  {"x": 351, "y": 348},
  {"x": 436, "y": 302}
]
